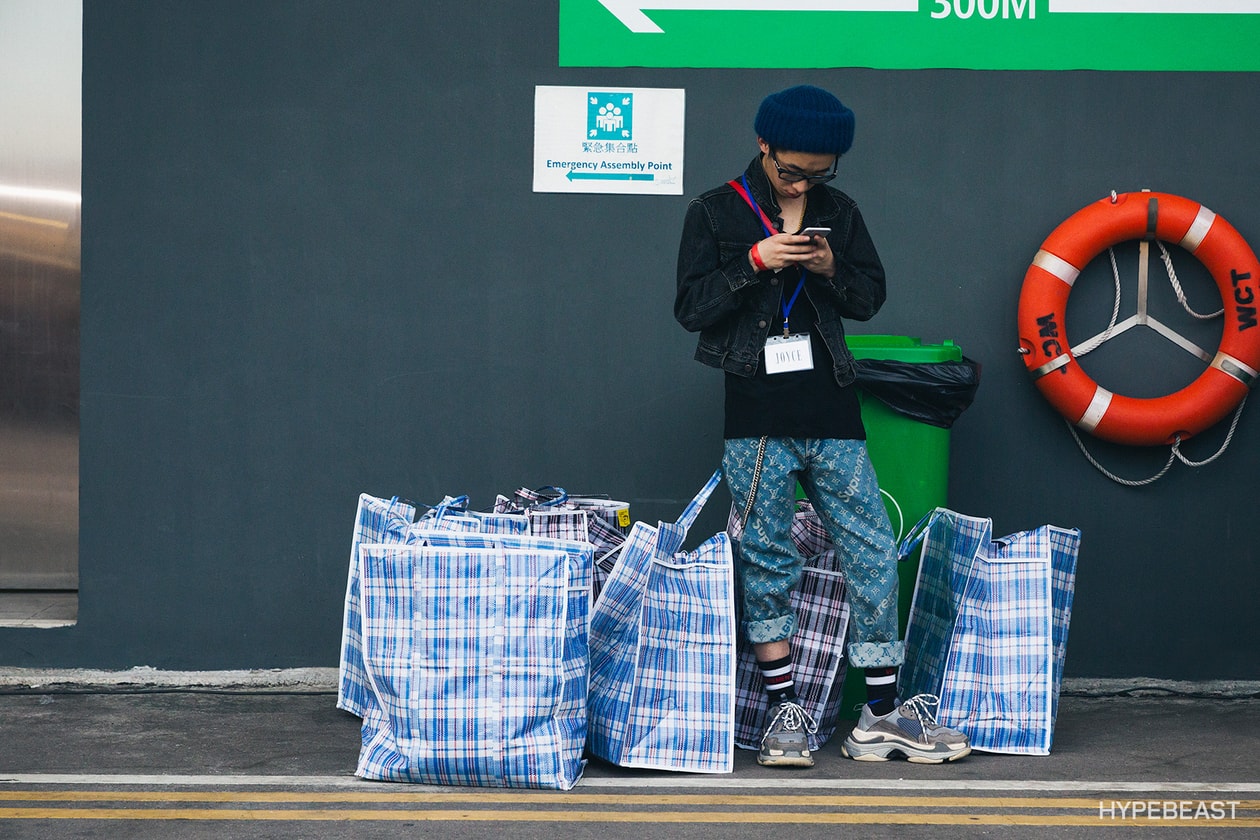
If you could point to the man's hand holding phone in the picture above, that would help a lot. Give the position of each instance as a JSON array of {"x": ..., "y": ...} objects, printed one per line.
[
  {"x": 818, "y": 259},
  {"x": 786, "y": 249}
]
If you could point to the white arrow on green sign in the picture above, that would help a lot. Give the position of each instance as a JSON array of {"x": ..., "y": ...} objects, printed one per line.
[
  {"x": 631, "y": 12},
  {"x": 1219, "y": 35}
]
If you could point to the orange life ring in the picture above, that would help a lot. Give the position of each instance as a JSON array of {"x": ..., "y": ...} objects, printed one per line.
[{"x": 1043, "y": 323}]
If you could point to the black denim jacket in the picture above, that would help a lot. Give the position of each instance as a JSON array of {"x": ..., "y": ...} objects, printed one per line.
[{"x": 734, "y": 307}]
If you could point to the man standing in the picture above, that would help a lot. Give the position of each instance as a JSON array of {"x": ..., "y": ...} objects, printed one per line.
[{"x": 768, "y": 266}]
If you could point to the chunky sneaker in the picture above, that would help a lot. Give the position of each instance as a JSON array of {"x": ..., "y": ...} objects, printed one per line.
[
  {"x": 910, "y": 729},
  {"x": 786, "y": 742}
]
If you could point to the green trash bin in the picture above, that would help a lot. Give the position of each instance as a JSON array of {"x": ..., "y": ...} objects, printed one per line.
[{"x": 911, "y": 459}]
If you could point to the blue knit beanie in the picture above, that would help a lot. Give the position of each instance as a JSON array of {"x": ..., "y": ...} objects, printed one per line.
[{"x": 805, "y": 119}]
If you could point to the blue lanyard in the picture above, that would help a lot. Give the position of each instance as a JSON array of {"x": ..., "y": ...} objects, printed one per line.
[
  {"x": 787, "y": 305},
  {"x": 769, "y": 231}
]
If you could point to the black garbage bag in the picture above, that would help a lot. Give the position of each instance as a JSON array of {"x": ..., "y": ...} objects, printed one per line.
[{"x": 930, "y": 392}]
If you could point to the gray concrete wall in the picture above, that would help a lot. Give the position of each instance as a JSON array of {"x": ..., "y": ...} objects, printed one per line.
[{"x": 284, "y": 305}]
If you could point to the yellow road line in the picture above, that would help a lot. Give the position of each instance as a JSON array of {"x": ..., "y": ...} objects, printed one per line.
[
  {"x": 629, "y": 808},
  {"x": 493, "y": 798},
  {"x": 263, "y": 815}
]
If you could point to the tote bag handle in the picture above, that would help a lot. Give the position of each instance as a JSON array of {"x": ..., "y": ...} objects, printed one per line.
[
  {"x": 918, "y": 532},
  {"x": 437, "y": 512},
  {"x": 671, "y": 535},
  {"x": 689, "y": 514}
]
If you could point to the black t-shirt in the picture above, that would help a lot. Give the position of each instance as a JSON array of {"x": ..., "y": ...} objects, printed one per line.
[{"x": 800, "y": 404}]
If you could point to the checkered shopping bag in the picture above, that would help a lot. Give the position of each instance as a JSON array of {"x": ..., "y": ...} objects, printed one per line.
[
  {"x": 475, "y": 649},
  {"x": 663, "y": 651},
  {"x": 988, "y": 628},
  {"x": 822, "y": 621},
  {"x": 376, "y": 521},
  {"x": 390, "y": 521}
]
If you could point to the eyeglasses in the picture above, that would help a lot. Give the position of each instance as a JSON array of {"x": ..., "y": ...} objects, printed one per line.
[{"x": 792, "y": 177}]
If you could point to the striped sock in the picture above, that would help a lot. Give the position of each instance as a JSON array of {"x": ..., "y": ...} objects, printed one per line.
[
  {"x": 881, "y": 690},
  {"x": 777, "y": 677}
]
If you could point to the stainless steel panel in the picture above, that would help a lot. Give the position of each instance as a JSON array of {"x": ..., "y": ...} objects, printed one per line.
[{"x": 40, "y": 157}]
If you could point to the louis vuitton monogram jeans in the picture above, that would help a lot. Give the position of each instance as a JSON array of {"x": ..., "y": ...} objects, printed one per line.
[{"x": 839, "y": 480}]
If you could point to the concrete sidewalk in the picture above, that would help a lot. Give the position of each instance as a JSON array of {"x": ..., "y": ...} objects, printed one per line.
[
  {"x": 1107, "y": 749},
  {"x": 147, "y": 722}
]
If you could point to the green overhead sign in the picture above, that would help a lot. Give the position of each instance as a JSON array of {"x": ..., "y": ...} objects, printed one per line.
[{"x": 913, "y": 34}]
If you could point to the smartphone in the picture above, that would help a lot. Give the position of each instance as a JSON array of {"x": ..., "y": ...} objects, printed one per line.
[{"x": 815, "y": 231}]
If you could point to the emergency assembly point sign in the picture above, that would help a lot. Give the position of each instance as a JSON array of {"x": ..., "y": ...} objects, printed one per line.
[
  {"x": 1220, "y": 35},
  {"x": 608, "y": 140}
]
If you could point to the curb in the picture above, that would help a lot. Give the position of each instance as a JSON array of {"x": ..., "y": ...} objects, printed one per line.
[
  {"x": 277, "y": 679},
  {"x": 326, "y": 680}
]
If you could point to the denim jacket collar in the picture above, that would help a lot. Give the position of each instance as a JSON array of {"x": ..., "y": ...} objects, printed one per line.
[{"x": 819, "y": 204}]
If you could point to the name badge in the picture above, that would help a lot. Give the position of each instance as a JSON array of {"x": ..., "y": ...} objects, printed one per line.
[{"x": 786, "y": 353}]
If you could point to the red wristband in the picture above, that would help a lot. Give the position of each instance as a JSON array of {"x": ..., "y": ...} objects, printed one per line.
[{"x": 756, "y": 258}]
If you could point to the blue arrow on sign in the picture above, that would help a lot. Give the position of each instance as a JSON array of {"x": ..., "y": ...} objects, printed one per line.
[{"x": 608, "y": 176}]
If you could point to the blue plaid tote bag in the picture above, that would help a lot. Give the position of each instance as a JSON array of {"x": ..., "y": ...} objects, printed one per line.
[
  {"x": 380, "y": 521},
  {"x": 376, "y": 521},
  {"x": 475, "y": 648},
  {"x": 988, "y": 628},
  {"x": 822, "y": 616},
  {"x": 663, "y": 651}
]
